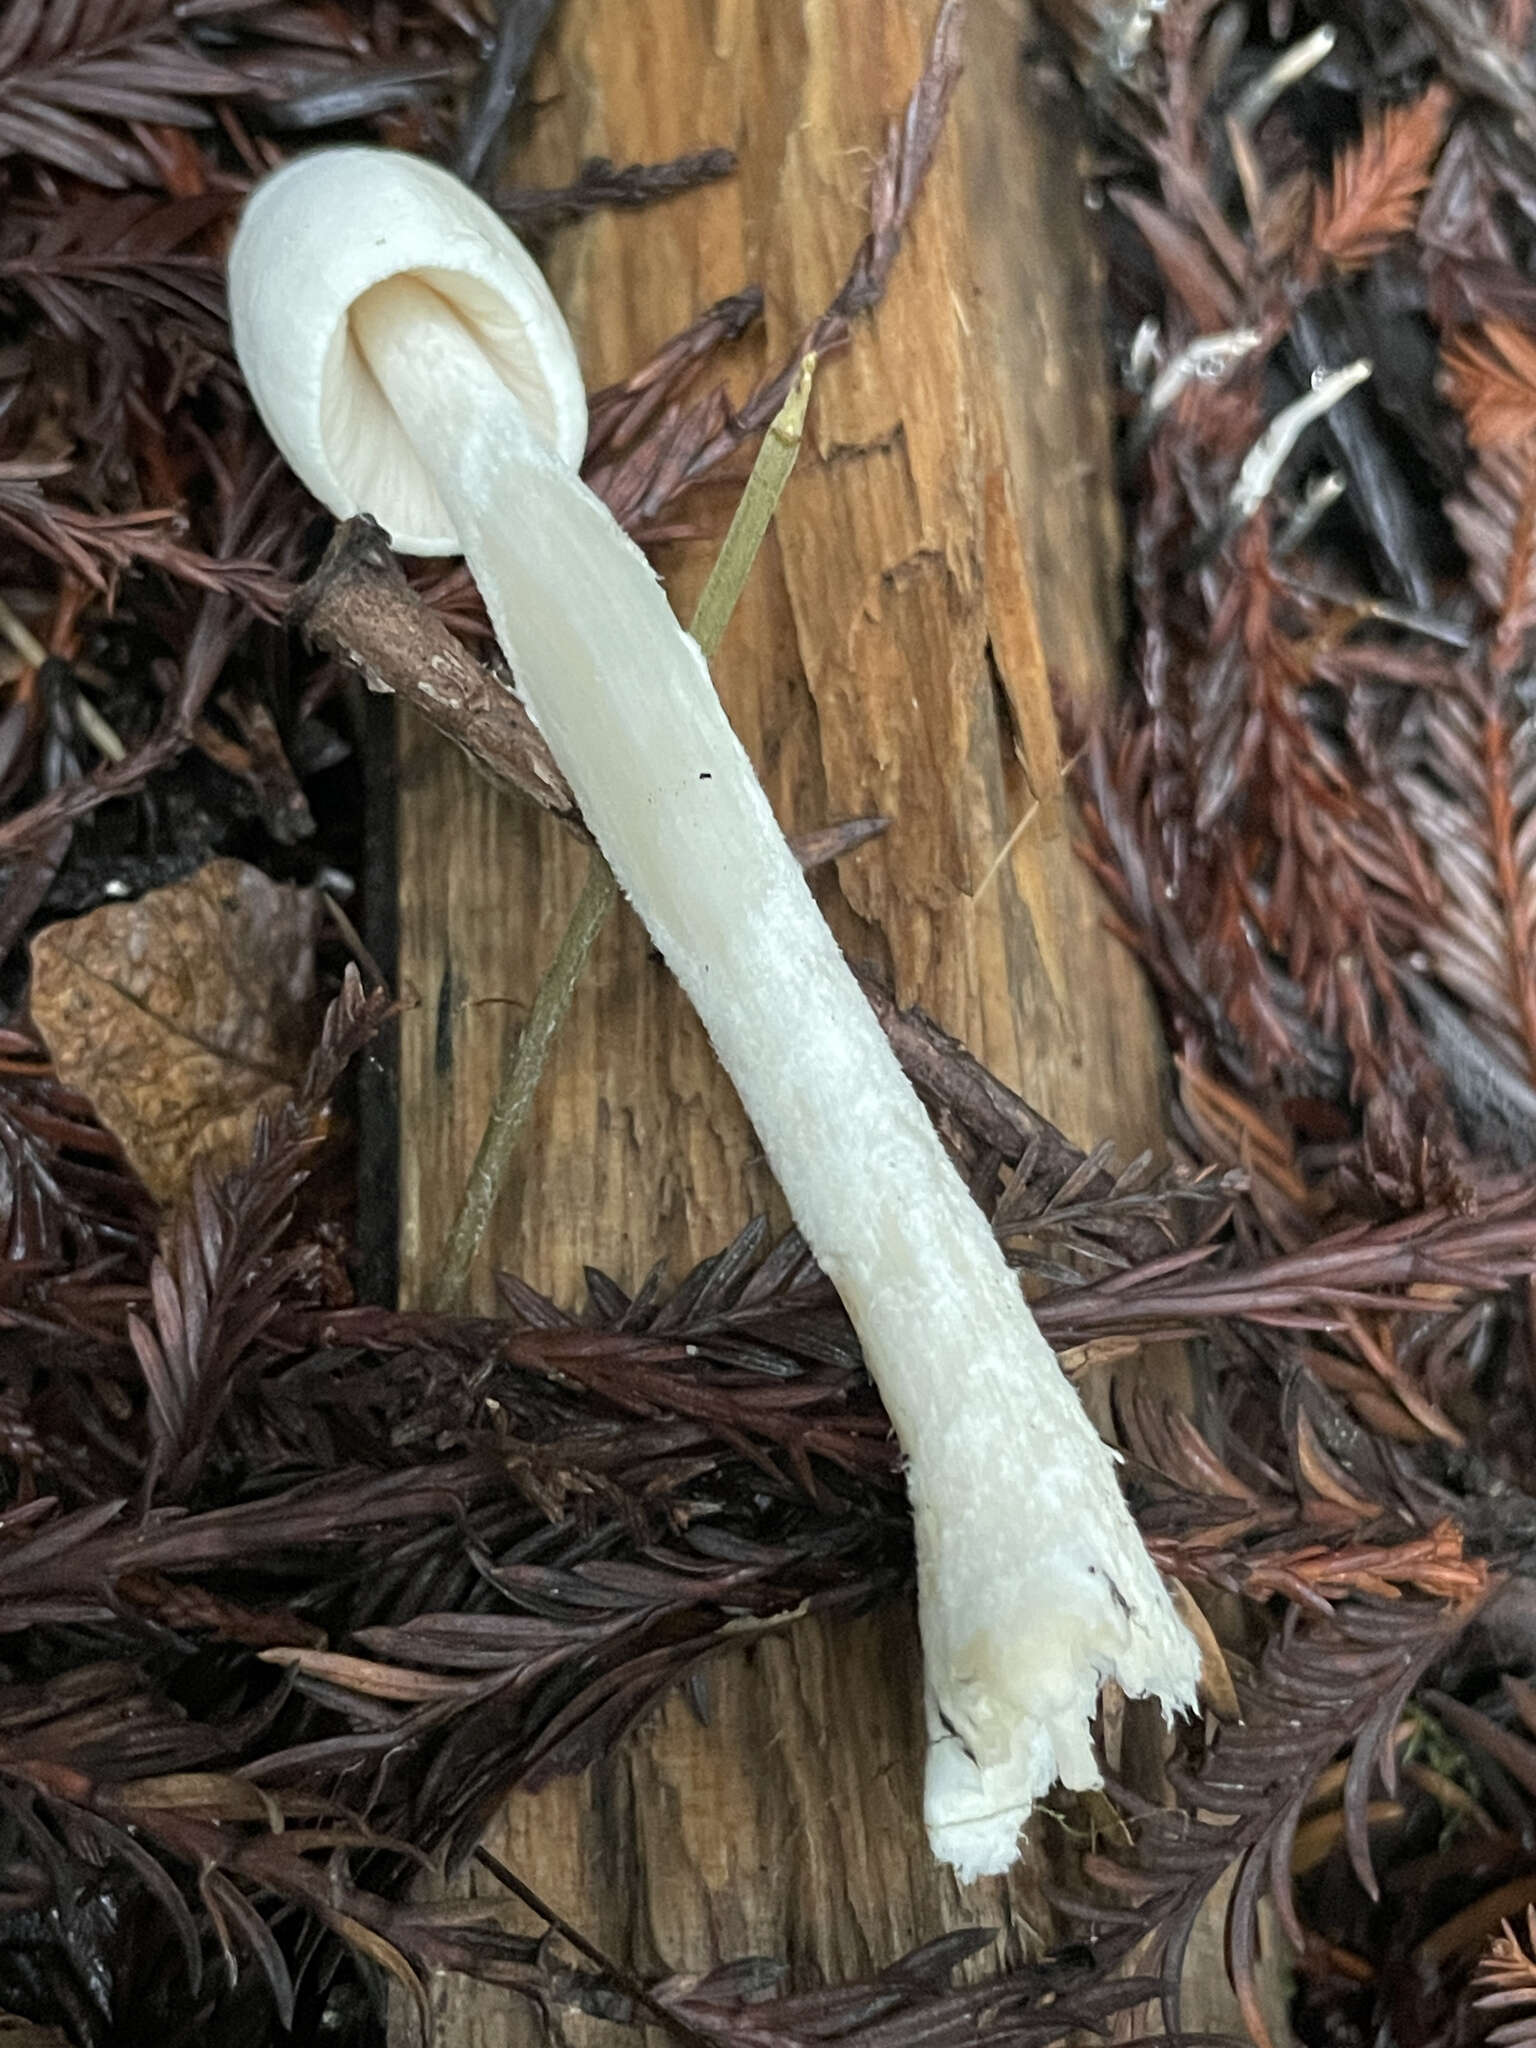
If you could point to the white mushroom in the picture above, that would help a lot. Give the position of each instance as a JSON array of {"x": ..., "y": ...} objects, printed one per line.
[{"x": 410, "y": 363}]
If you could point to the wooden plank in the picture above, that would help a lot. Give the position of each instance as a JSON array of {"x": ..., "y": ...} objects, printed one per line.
[{"x": 947, "y": 545}]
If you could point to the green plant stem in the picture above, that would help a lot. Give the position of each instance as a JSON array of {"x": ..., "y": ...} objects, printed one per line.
[
  {"x": 749, "y": 524},
  {"x": 519, "y": 1082},
  {"x": 526, "y": 1057}
]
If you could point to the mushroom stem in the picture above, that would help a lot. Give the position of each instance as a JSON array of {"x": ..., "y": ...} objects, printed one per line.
[{"x": 1033, "y": 1583}]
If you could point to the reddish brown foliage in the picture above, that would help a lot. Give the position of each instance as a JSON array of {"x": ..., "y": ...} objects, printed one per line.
[{"x": 1378, "y": 182}]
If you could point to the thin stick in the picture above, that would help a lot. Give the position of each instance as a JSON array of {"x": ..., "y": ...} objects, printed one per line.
[
  {"x": 524, "y": 1064},
  {"x": 90, "y": 721},
  {"x": 765, "y": 486},
  {"x": 1005, "y": 850},
  {"x": 622, "y": 1979},
  {"x": 519, "y": 1082},
  {"x": 22, "y": 637}
]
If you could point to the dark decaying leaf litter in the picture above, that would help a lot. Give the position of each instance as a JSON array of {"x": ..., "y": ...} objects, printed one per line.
[{"x": 295, "y": 1586}]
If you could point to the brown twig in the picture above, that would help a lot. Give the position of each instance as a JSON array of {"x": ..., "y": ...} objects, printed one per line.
[
  {"x": 359, "y": 607},
  {"x": 603, "y": 185}
]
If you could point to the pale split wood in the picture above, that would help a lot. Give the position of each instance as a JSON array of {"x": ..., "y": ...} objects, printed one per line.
[{"x": 946, "y": 548}]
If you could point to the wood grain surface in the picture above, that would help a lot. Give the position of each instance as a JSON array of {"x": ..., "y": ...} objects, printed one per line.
[{"x": 947, "y": 546}]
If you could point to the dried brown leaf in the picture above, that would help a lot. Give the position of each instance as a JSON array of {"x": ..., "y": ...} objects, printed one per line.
[
  {"x": 1474, "y": 795},
  {"x": 217, "y": 1795},
  {"x": 1460, "y": 1937},
  {"x": 96, "y": 87},
  {"x": 72, "y": 73},
  {"x": 1491, "y": 375},
  {"x": 1188, "y": 268},
  {"x": 121, "y": 272},
  {"x": 601, "y": 184},
  {"x": 389, "y": 1959},
  {"x": 1324, "y": 1476},
  {"x": 362, "y": 1675},
  {"x": 1378, "y": 181},
  {"x": 182, "y": 1017},
  {"x": 232, "y": 1912}
]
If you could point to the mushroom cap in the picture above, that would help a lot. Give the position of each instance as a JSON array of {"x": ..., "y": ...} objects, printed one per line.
[{"x": 314, "y": 237}]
